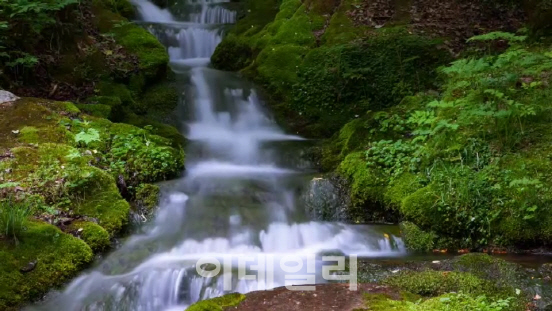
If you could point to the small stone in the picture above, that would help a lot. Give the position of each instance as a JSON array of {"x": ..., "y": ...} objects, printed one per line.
[
  {"x": 29, "y": 267},
  {"x": 15, "y": 132},
  {"x": 88, "y": 152},
  {"x": 80, "y": 230},
  {"x": 436, "y": 261},
  {"x": 395, "y": 271},
  {"x": 6, "y": 97}
]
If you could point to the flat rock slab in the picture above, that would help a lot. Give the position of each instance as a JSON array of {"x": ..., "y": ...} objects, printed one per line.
[
  {"x": 6, "y": 97},
  {"x": 326, "y": 297}
]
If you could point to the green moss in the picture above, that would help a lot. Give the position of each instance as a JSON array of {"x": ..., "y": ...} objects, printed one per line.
[
  {"x": 117, "y": 96},
  {"x": 137, "y": 83},
  {"x": 58, "y": 257},
  {"x": 67, "y": 107},
  {"x": 350, "y": 138},
  {"x": 158, "y": 128},
  {"x": 277, "y": 66},
  {"x": 400, "y": 188},
  {"x": 367, "y": 185},
  {"x": 29, "y": 134},
  {"x": 152, "y": 55},
  {"x": 147, "y": 195},
  {"x": 435, "y": 283},
  {"x": 500, "y": 271},
  {"x": 232, "y": 54},
  {"x": 94, "y": 235},
  {"x": 258, "y": 14},
  {"x": 97, "y": 110},
  {"x": 122, "y": 7},
  {"x": 219, "y": 303},
  {"x": 160, "y": 99},
  {"x": 297, "y": 30},
  {"x": 101, "y": 200},
  {"x": 111, "y": 101},
  {"x": 109, "y": 91},
  {"x": 419, "y": 207},
  {"x": 416, "y": 239},
  {"x": 341, "y": 29},
  {"x": 452, "y": 301}
]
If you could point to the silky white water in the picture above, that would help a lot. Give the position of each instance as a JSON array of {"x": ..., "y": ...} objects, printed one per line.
[{"x": 236, "y": 200}]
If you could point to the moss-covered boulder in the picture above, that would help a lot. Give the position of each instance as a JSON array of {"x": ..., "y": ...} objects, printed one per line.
[
  {"x": 147, "y": 196},
  {"x": 44, "y": 258},
  {"x": 92, "y": 234},
  {"x": 435, "y": 283},
  {"x": 75, "y": 167},
  {"x": 232, "y": 54}
]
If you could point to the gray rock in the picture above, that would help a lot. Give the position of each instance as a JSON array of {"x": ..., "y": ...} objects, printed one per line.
[
  {"x": 29, "y": 267},
  {"x": 324, "y": 201},
  {"x": 6, "y": 96}
]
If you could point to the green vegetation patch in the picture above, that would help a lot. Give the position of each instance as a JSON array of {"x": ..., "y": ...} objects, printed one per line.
[
  {"x": 219, "y": 303},
  {"x": 51, "y": 256}
]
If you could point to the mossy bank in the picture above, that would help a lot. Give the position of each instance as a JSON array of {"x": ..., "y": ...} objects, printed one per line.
[
  {"x": 467, "y": 282},
  {"x": 73, "y": 173},
  {"x": 424, "y": 124},
  {"x": 75, "y": 161}
]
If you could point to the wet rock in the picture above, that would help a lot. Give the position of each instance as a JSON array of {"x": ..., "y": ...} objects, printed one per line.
[
  {"x": 324, "y": 201},
  {"x": 29, "y": 267},
  {"x": 546, "y": 272},
  {"x": 6, "y": 97}
]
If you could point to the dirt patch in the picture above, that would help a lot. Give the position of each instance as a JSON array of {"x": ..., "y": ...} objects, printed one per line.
[
  {"x": 326, "y": 297},
  {"x": 453, "y": 20}
]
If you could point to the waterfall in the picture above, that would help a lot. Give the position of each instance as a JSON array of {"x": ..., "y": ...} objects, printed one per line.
[{"x": 235, "y": 202}]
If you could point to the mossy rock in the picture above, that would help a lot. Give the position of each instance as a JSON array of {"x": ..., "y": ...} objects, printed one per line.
[
  {"x": 110, "y": 91},
  {"x": 277, "y": 66},
  {"x": 420, "y": 206},
  {"x": 341, "y": 28},
  {"x": 159, "y": 100},
  {"x": 157, "y": 128},
  {"x": 93, "y": 234},
  {"x": 435, "y": 283},
  {"x": 152, "y": 55},
  {"x": 97, "y": 110},
  {"x": 147, "y": 195},
  {"x": 500, "y": 271},
  {"x": 38, "y": 119},
  {"x": 367, "y": 184},
  {"x": 102, "y": 200},
  {"x": 416, "y": 239},
  {"x": 219, "y": 303},
  {"x": 400, "y": 188},
  {"x": 232, "y": 54},
  {"x": 450, "y": 301},
  {"x": 58, "y": 257},
  {"x": 122, "y": 7},
  {"x": 351, "y": 137}
]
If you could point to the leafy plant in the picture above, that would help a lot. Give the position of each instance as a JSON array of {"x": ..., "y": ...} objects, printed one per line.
[
  {"x": 87, "y": 136},
  {"x": 13, "y": 216}
]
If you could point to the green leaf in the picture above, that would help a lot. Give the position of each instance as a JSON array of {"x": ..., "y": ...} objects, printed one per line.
[{"x": 87, "y": 137}]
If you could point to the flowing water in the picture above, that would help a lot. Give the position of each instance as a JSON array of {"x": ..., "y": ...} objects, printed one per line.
[{"x": 238, "y": 200}]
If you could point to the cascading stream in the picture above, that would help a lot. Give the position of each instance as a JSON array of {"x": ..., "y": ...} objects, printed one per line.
[{"x": 235, "y": 201}]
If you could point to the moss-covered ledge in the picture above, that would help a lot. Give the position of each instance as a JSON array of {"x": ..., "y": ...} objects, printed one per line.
[{"x": 75, "y": 174}]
